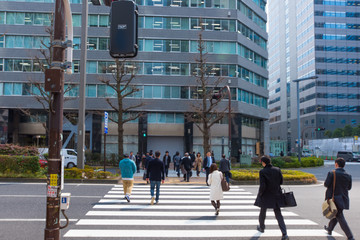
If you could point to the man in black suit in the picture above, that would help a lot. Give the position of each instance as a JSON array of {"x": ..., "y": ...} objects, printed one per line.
[
  {"x": 167, "y": 160},
  {"x": 270, "y": 195},
  {"x": 156, "y": 173},
  {"x": 208, "y": 160},
  {"x": 343, "y": 183}
]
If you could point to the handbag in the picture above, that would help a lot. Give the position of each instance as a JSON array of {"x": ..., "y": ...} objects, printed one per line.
[
  {"x": 289, "y": 199},
  {"x": 224, "y": 185},
  {"x": 329, "y": 209}
]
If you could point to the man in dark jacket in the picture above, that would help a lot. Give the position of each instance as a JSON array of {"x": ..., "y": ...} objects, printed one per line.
[
  {"x": 225, "y": 167},
  {"x": 270, "y": 196},
  {"x": 187, "y": 165},
  {"x": 156, "y": 174},
  {"x": 343, "y": 183},
  {"x": 167, "y": 160},
  {"x": 208, "y": 160}
]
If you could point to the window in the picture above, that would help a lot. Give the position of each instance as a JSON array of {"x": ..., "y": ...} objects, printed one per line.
[{"x": 332, "y": 121}]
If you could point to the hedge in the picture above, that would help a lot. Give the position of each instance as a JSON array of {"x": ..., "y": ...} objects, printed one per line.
[
  {"x": 11, "y": 149},
  {"x": 289, "y": 175},
  {"x": 89, "y": 173},
  {"x": 293, "y": 162},
  {"x": 19, "y": 164}
]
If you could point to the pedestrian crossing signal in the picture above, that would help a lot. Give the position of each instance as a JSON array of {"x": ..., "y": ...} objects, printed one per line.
[{"x": 319, "y": 129}]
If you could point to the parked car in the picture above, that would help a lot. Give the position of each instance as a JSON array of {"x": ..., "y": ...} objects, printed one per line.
[
  {"x": 42, "y": 161},
  {"x": 348, "y": 156},
  {"x": 306, "y": 153},
  {"x": 356, "y": 156},
  {"x": 69, "y": 156}
]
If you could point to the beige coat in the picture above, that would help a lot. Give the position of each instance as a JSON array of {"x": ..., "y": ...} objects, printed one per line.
[
  {"x": 214, "y": 181},
  {"x": 198, "y": 163}
]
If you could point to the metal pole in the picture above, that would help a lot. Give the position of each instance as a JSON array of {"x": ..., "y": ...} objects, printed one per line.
[
  {"x": 52, "y": 230},
  {"x": 104, "y": 152},
  {"x": 82, "y": 103},
  {"x": 229, "y": 120},
  {"x": 298, "y": 119}
]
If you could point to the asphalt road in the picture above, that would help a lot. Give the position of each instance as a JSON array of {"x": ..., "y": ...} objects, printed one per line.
[{"x": 23, "y": 205}]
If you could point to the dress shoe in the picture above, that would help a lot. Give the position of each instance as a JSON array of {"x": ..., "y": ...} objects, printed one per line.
[
  {"x": 260, "y": 229},
  {"x": 285, "y": 237},
  {"x": 327, "y": 230}
]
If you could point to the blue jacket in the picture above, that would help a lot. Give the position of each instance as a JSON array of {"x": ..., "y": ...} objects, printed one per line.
[{"x": 127, "y": 168}]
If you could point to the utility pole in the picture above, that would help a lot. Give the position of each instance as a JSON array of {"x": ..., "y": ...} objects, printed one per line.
[{"x": 54, "y": 82}]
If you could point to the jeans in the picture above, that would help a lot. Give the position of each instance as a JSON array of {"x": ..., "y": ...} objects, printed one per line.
[
  {"x": 152, "y": 188},
  {"x": 227, "y": 176}
]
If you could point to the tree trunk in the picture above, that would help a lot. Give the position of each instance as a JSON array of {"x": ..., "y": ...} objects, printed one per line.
[{"x": 206, "y": 138}]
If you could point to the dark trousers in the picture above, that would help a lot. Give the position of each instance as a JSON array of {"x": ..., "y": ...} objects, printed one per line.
[
  {"x": 343, "y": 224},
  {"x": 207, "y": 170},
  {"x": 166, "y": 170},
  {"x": 138, "y": 166},
  {"x": 187, "y": 176},
  {"x": 279, "y": 218}
]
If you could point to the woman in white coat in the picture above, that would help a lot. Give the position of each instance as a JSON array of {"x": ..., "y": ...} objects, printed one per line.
[{"x": 216, "y": 193}]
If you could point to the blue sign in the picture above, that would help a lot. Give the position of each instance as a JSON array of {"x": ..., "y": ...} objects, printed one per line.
[
  {"x": 63, "y": 200},
  {"x": 106, "y": 118}
]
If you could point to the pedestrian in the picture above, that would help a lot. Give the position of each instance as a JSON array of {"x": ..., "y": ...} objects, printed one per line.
[
  {"x": 225, "y": 167},
  {"x": 143, "y": 161},
  {"x": 192, "y": 157},
  {"x": 216, "y": 192},
  {"x": 138, "y": 161},
  {"x": 132, "y": 156},
  {"x": 343, "y": 183},
  {"x": 186, "y": 165},
  {"x": 270, "y": 195},
  {"x": 281, "y": 154},
  {"x": 167, "y": 161},
  {"x": 127, "y": 168},
  {"x": 156, "y": 174},
  {"x": 177, "y": 160},
  {"x": 197, "y": 164},
  {"x": 208, "y": 160}
]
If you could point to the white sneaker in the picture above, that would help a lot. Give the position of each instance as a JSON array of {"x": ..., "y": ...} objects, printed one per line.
[
  {"x": 127, "y": 198},
  {"x": 152, "y": 200}
]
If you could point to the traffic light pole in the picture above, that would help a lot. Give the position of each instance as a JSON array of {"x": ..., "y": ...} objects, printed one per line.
[{"x": 54, "y": 78}]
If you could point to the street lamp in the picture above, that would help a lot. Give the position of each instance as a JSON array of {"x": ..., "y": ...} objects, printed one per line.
[{"x": 298, "y": 110}]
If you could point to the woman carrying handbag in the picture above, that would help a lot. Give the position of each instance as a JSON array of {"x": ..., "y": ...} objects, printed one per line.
[{"x": 216, "y": 192}]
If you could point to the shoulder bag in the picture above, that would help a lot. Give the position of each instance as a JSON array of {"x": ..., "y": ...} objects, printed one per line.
[
  {"x": 329, "y": 209},
  {"x": 224, "y": 184},
  {"x": 289, "y": 198}
]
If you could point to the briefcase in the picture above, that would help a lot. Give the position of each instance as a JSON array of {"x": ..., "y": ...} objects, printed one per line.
[{"x": 289, "y": 199}]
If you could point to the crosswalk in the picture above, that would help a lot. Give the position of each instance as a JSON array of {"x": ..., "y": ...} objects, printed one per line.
[{"x": 184, "y": 211}]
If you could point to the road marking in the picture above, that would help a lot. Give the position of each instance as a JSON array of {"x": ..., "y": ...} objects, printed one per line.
[
  {"x": 204, "y": 222},
  {"x": 182, "y": 192},
  {"x": 178, "y": 197},
  {"x": 177, "y": 187},
  {"x": 181, "y": 214},
  {"x": 195, "y": 233},
  {"x": 162, "y": 188},
  {"x": 31, "y": 220},
  {"x": 172, "y": 207},
  {"x": 175, "y": 201},
  {"x": 44, "y": 196}
]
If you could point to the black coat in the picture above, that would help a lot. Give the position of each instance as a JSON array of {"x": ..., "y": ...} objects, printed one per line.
[
  {"x": 186, "y": 162},
  {"x": 269, "y": 195},
  {"x": 343, "y": 183},
  {"x": 156, "y": 170},
  {"x": 167, "y": 160}
]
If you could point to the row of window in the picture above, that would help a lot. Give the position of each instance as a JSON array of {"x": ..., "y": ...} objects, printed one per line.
[
  {"x": 330, "y": 95},
  {"x": 337, "y": 14},
  {"x": 337, "y": 49},
  {"x": 144, "y": 68},
  {"x": 338, "y": 60},
  {"x": 330, "y": 84},
  {"x": 337, "y": 37},
  {"x": 338, "y": 72},
  {"x": 330, "y": 108},
  {"x": 337, "y": 25},
  {"x": 145, "y": 45},
  {"x": 145, "y": 92},
  {"x": 337, "y": 3},
  {"x": 146, "y": 22}
]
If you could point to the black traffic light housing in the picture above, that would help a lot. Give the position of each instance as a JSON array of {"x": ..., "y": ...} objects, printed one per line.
[
  {"x": 123, "y": 29},
  {"x": 319, "y": 129},
  {"x": 101, "y": 2}
]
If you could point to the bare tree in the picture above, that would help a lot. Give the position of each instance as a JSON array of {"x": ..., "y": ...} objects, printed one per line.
[
  {"x": 123, "y": 73},
  {"x": 205, "y": 112},
  {"x": 36, "y": 87}
]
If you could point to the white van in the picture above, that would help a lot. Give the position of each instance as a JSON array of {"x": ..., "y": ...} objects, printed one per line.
[{"x": 69, "y": 156}]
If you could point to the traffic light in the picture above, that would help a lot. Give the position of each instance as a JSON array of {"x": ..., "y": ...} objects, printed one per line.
[
  {"x": 319, "y": 129},
  {"x": 101, "y": 2},
  {"x": 123, "y": 29}
]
